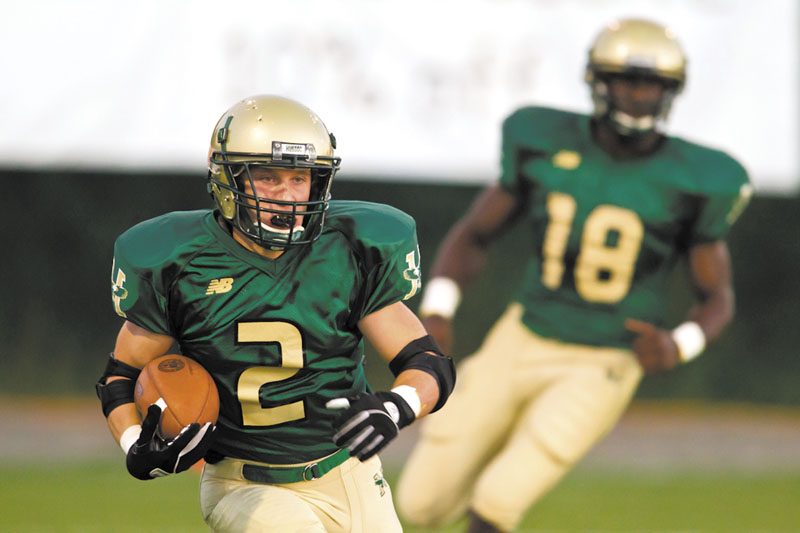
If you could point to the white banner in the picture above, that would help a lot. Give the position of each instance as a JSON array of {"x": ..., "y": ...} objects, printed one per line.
[{"x": 414, "y": 89}]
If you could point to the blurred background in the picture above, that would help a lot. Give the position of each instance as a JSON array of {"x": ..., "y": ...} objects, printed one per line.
[{"x": 107, "y": 110}]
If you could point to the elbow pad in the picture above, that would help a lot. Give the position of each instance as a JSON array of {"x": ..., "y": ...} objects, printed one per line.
[
  {"x": 415, "y": 356},
  {"x": 119, "y": 391}
]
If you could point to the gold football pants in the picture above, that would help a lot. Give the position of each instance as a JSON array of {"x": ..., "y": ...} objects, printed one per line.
[
  {"x": 353, "y": 497},
  {"x": 525, "y": 409}
]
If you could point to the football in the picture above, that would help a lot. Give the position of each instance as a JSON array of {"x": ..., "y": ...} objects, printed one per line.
[{"x": 185, "y": 386}]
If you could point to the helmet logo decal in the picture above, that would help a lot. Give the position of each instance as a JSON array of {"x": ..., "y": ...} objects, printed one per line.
[{"x": 222, "y": 133}]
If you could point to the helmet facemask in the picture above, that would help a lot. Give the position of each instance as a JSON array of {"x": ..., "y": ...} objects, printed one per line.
[
  {"x": 276, "y": 133},
  {"x": 625, "y": 124},
  {"x": 634, "y": 49},
  {"x": 228, "y": 173}
]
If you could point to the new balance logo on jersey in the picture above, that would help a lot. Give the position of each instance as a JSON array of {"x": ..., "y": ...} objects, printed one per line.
[{"x": 218, "y": 286}]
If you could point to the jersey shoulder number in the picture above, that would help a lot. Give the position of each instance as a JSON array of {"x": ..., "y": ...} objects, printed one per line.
[
  {"x": 144, "y": 257},
  {"x": 385, "y": 240}
]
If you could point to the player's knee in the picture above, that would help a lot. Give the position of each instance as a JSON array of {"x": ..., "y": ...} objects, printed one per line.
[
  {"x": 563, "y": 442},
  {"x": 498, "y": 509},
  {"x": 412, "y": 506},
  {"x": 425, "y": 516},
  {"x": 419, "y": 507}
]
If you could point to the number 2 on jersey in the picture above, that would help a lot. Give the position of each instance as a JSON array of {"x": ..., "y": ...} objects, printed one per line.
[
  {"x": 603, "y": 269},
  {"x": 251, "y": 380}
]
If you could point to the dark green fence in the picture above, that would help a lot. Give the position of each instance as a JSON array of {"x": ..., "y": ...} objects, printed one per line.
[{"x": 58, "y": 323}]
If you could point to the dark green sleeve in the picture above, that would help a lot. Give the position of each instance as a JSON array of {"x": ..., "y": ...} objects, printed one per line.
[
  {"x": 386, "y": 240},
  {"x": 138, "y": 293},
  {"x": 395, "y": 279},
  {"x": 511, "y": 133},
  {"x": 531, "y": 134},
  {"x": 147, "y": 258},
  {"x": 728, "y": 196}
]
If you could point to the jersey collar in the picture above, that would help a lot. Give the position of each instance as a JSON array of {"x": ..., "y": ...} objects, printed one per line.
[{"x": 272, "y": 267}]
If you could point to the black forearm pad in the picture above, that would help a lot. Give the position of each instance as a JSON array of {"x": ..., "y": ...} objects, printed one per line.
[
  {"x": 114, "y": 394},
  {"x": 415, "y": 355},
  {"x": 421, "y": 345},
  {"x": 119, "y": 391},
  {"x": 118, "y": 368}
]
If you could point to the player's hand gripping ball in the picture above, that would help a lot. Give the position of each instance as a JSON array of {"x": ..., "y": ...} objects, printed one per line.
[
  {"x": 187, "y": 389},
  {"x": 151, "y": 456}
]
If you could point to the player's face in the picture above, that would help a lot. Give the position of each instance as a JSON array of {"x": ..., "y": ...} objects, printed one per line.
[
  {"x": 636, "y": 96},
  {"x": 282, "y": 184}
]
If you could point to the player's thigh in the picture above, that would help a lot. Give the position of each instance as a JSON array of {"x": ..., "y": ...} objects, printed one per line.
[
  {"x": 352, "y": 498},
  {"x": 241, "y": 506},
  {"x": 584, "y": 403},
  {"x": 371, "y": 508},
  {"x": 558, "y": 427}
]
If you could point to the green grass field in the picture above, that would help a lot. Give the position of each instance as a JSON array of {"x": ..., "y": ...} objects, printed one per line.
[{"x": 100, "y": 497}]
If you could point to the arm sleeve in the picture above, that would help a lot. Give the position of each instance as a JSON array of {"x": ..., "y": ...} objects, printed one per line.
[
  {"x": 396, "y": 279},
  {"x": 530, "y": 134},
  {"x": 392, "y": 263},
  {"x": 509, "y": 173},
  {"x": 721, "y": 210},
  {"x": 138, "y": 293}
]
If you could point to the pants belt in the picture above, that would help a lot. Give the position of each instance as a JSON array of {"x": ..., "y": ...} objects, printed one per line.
[{"x": 278, "y": 475}]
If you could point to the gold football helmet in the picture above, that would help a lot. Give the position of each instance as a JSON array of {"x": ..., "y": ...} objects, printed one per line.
[
  {"x": 635, "y": 48},
  {"x": 271, "y": 131}
]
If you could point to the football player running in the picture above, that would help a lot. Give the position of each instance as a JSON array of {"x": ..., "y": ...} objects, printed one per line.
[
  {"x": 614, "y": 205},
  {"x": 273, "y": 292}
]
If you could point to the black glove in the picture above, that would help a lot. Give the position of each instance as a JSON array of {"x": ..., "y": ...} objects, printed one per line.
[
  {"x": 151, "y": 456},
  {"x": 370, "y": 421}
]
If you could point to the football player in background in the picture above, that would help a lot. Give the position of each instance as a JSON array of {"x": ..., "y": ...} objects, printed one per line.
[
  {"x": 272, "y": 292},
  {"x": 614, "y": 204}
]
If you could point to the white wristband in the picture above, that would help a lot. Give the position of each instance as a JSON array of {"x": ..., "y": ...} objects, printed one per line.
[
  {"x": 409, "y": 394},
  {"x": 129, "y": 437},
  {"x": 690, "y": 339},
  {"x": 441, "y": 297}
]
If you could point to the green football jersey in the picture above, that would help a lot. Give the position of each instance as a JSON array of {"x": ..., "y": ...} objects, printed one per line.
[
  {"x": 280, "y": 337},
  {"x": 608, "y": 232}
]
